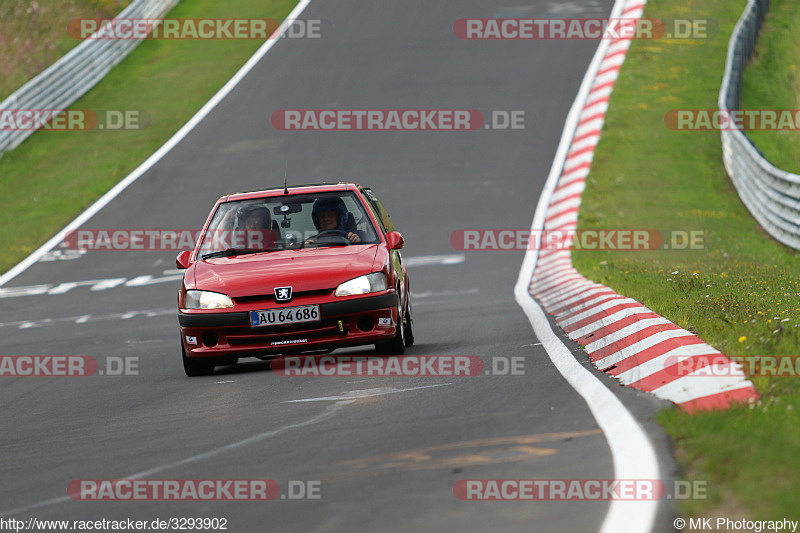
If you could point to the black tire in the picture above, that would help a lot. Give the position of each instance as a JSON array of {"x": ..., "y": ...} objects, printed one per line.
[
  {"x": 196, "y": 367},
  {"x": 409, "y": 333},
  {"x": 396, "y": 346}
]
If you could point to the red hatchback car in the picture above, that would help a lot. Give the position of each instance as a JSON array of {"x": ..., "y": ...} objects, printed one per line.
[{"x": 304, "y": 269}]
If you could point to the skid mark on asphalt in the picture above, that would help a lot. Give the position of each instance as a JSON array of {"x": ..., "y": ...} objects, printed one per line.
[{"x": 459, "y": 454}]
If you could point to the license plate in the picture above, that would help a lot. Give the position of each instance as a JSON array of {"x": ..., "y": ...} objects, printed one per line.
[{"x": 284, "y": 315}]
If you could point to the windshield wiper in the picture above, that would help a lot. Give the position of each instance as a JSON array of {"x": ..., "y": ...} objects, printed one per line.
[{"x": 233, "y": 251}]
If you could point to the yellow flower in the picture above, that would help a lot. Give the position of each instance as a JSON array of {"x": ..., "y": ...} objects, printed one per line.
[{"x": 742, "y": 338}]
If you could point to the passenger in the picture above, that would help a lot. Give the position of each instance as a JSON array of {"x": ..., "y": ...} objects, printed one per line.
[{"x": 254, "y": 227}]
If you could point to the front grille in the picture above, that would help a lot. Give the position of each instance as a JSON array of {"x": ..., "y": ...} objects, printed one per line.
[{"x": 271, "y": 297}]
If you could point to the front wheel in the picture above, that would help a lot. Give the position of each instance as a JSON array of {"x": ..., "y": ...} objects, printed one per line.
[
  {"x": 195, "y": 367},
  {"x": 409, "y": 333}
]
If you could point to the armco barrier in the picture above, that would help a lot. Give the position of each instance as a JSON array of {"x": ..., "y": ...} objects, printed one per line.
[
  {"x": 77, "y": 72},
  {"x": 772, "y": 195}
]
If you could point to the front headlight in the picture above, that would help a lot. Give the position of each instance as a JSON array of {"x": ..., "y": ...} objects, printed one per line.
[
  {"x": 370, "y": 283},
  {"x": 207, "y": 300}
]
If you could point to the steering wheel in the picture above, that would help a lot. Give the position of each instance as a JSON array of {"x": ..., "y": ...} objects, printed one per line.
[
  {"x": 331, "y": 233},
  {"x": 328, "y": 234}
]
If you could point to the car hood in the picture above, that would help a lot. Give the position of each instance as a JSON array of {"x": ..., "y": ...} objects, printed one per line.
[{"x": 305, "y": 269}]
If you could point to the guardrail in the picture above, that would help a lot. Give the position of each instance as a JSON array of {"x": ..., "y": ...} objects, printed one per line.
[
  {"x": 772, "y": 195},
  {"x": 72, "y": 76}
]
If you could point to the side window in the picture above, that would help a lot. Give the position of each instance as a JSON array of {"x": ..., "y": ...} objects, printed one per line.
[{"x": 377, "y": 206}]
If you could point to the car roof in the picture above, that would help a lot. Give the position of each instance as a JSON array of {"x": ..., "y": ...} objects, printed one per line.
[{"x": 308, "y": 188}]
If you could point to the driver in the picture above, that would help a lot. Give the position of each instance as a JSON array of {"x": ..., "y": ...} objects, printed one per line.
[{"x": 330, "y": 215}]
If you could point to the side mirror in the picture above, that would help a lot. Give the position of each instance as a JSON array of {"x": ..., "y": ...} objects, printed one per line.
[
  {"x": 183, "y": 260},
  {"x": 395, "y": 240}
]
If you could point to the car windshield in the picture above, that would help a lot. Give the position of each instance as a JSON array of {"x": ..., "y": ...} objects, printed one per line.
[{"x": 287, "y": 222}]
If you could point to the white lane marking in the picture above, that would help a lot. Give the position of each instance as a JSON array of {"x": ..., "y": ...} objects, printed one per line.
[
  {"x": 329, "y": 412},
  {"x": 223, "y": 382},
  {"x": 423, "y": 260},
  {"x": 52, "y": 289},
  {"x": 58, "y": 238},
  {"x": 31, "y": 290},
  {"x": 149, "y": 313},
  {"x": 62, "y": 254},
  {"x": 169, "y": 277},
  {"x": 141, "y": 281},
  {"x": 430, "y": 294},
  {"x": 567, "y": 8},
  {"x": 631, "y": 450},
  {"x": 83, "y": 319},
  {"x": 364, "y": 393}
]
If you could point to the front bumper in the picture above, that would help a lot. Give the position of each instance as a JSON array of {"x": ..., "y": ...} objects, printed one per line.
[{"x": 352, "y": 322}]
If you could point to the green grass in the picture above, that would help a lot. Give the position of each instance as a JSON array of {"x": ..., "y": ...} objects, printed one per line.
[
  {"x": 740, "y": 293},
  {"x": 772, "y": 82},
  {"x": 54, "y": 175},
  {"x": 748, "y": 458}
]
